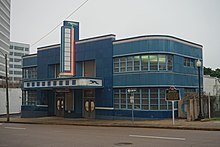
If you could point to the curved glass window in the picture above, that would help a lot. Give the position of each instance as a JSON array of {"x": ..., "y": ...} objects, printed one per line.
[{"x": 151, "y": 62}]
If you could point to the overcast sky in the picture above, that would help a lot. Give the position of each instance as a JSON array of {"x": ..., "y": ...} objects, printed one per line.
[{"x": 194, "y": 20}]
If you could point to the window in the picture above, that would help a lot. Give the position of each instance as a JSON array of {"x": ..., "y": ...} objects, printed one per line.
[
  {"x": 153, "y": 99},
  {"x": 30, "y": 73},
  {"x": 145, "y": 99},
  {"x": 116, "y": 64},
  {"x": 137, "y": 100},
  {"x": 122, "y": 64},
  {"x": 153, "y": 62},
  {"x": 188, "y": 62},
  {"x": 16, "y": 60},
  {"x": 144, "y": 62},
  {"x": 53, "y": 70},
  {"x": 123, "y": 98},
  {"x": 11, "y": 47},
  {"x": 163, "y": 102},
  {"x": 18, "y": 48},
  {"x": 162, "y": 62},
  {"x": 17, "y": 72},
  {"x": 170, "y": 62},
  {"x": 136, "y": 63},
  {"x": 18, "y": 54},
  {"x": 129, "y": 63},
  {"x": 26, "y": 49},
  {"x": 29, "y": 98},
  {"x": 116, "y": 99},
  {"x": 17, "y": 66},
  {"x": 89, "y": 68}
]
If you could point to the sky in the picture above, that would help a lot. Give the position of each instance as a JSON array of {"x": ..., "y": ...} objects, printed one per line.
[{"x": 197, "y": 21}]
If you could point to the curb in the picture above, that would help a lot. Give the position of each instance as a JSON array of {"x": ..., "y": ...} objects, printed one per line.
[{"x": 119, "y": 125}]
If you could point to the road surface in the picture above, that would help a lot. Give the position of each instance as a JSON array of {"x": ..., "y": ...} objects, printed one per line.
[{"x": 32, "y": 135}]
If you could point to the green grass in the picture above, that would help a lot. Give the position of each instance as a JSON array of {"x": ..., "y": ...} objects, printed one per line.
[{"x": 216, "y": 118}]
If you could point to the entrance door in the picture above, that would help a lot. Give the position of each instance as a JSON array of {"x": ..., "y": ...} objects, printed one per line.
[
  {"x": 89, "y": 108},
  {"x": 89, "y": 103},
  {"x": 59, "y": 106}
]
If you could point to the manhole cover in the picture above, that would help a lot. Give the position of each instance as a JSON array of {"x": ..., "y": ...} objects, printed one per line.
[{"x": 123, "y": 143}]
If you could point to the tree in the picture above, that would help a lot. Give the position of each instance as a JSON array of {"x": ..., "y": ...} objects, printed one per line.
[{"x": 212, "y": 73}]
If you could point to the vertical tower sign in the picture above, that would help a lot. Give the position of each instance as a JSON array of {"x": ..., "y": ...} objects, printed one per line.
[{"x": 69, "y": 34}]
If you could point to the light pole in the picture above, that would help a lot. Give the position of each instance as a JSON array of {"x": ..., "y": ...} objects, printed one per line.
[
  {"x": 199, "y": 64},
  {"x": 6, "y": 80}
]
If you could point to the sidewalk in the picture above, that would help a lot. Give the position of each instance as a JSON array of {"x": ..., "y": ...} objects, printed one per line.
[{"x": 165, "y": 124}]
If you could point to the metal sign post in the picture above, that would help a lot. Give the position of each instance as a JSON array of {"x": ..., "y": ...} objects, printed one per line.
[
  {"x": 173, "y": 112},
  {"x": 132, "y": 102},
  {"x": 172, "y": 95}
]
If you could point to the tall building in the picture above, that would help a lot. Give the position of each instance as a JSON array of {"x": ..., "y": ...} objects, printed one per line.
[
  {"x": 17, "y": 50},
  {"x": 94, "y": 77},
  {"x": 4, "y": 33}
]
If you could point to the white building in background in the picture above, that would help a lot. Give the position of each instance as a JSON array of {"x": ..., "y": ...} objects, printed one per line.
[
  {"x": 211, "y": 85},
  {"x": 17, "y": 50},
  {"x": 4, "y": 33}
]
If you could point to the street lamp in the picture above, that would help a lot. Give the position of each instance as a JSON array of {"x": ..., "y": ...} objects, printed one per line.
[
  {"x": 6, "y": 80},
  {"x": 199, "y": 64}
]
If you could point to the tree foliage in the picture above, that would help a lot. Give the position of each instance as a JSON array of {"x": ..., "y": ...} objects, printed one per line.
[{"x": 212, "y": 73}]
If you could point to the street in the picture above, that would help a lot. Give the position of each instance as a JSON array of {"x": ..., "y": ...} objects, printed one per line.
[{"x": 26, "y": 135}]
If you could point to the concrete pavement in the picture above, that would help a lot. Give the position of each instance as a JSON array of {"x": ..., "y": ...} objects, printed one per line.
[{"x": 165, "y": 124}]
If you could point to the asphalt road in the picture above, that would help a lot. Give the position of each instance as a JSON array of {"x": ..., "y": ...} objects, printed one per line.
[{"x": 31, "y": 135}]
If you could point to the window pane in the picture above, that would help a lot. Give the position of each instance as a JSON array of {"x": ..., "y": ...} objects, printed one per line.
[
  {"x": 129, "y": 63},
  {"x": 144, "y": 62},
  {"x": 116, "y": 64},
  {"x": 153, "y": 62},
  {"x": 170, "y": 62},
  {"x": 136, "y": 62},
  {"x": 154, "y": 99},
  {"x": 162, "y": 62},
  {"x": 123, "y": 98},
  {"x": 123, "y": 64}
]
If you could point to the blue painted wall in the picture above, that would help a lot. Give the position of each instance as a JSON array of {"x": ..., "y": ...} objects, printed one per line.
[
  {"x": 181, "y": 76},
  {"x": 30, "y": 61},
  {"x": 101, "y": 52},
  {"x": 45, "y": 58}
]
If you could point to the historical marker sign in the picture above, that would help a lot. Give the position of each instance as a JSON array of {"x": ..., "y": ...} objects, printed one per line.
[{"x": 172, "y": 94}]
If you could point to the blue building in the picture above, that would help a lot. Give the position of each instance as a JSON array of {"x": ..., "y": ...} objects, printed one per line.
[{"x": 91, "y": 78}]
